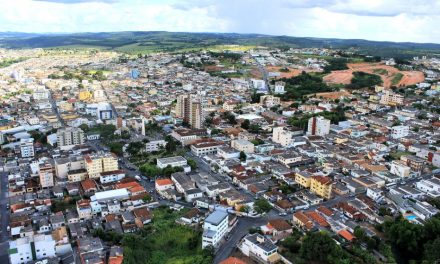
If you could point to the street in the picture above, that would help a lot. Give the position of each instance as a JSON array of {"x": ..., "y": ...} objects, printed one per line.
[{"x": 4, "y": 214}]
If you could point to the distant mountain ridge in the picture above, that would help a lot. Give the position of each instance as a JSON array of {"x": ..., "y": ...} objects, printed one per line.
[{"x": 175, "y": 41}]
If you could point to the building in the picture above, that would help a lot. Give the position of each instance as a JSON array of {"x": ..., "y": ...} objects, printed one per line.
[
  {"x": 69, "y": 137},
  {"x": 177, "y": 161},
  {"x": 399, "y": 168},
  {"x": 269, "y": 101},
  {"x": 258, "y": 247},
  {"x": 111, "y": 176},
  {"x": 321, "y": 186},
  {"x": 214, "y": 228},
  {"x": 27, "y": 147},
  {"x": 101, "y": 162},
  {"x": 318, "y": 126},
  {"x": 205, "y": 147},
  {"x": 243, "y": 145},
  {"x": 26, "y": 249},
  {"x": 399, "y": 131},
  {"x": 390, "y": 98},
  {"x": 303, "y": 178},
  {"x": 46, "y": 175},
  {"x": 64, "y": 165},
  {"x": 279, "y": 87},
  {"x": 155, "y": 145},
  {"x": 190, "y": 108}
]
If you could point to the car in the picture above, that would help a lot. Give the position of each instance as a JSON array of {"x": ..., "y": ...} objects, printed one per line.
[{"x": 282, "y": 214}]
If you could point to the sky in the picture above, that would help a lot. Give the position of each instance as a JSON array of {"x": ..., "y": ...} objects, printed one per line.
[{"x": 392, "y": 20}]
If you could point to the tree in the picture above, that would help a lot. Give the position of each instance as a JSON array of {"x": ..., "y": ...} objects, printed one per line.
[
  {"x": 246, "y": 124},
  {"x": 243, "y": 156},
  {"x": 262, "y": 206},
  {"x": 192, "y": 163},
  {"x": 319, "y": 247},
  {"x": 150, "y": 170},
  {"x": 116, "y": 147}
]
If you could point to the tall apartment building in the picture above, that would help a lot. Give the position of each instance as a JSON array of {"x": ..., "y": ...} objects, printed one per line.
[
  {"x": 69, "y": 137},
  {"x": 46, "y": 175},
  {"x": 27, "y": 147},
  {"x": 190, "y": 108},
  {"x": 318, "y": 126},
  {"x": 100, "y": 162},
  {"x": 285, "y": 135}
]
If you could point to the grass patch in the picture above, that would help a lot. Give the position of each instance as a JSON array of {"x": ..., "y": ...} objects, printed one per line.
[
  {"x": 398, "y": 154},
  {"x": 380, "y": 71},
  {"x": 397, "y": 78},
  {"x": 164, "y": 241}
]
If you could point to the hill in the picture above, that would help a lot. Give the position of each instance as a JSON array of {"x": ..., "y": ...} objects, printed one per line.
[{"x": 153, "y": 41}]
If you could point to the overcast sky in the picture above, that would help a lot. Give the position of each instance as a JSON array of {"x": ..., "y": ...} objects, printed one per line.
[{"x": 393, "y": 20}]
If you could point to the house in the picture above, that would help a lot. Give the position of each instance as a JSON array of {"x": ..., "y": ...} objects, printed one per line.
[
  {"x": 278, "y": 228},
  {"x": 163, "y": 184},
  {"x": 143, "y": 215},
  {"x": 260, "y": 248},
  {"x": 191, "y": 217}
]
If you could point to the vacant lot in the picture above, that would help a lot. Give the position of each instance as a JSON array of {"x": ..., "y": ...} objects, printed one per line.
[
  {"x": 286, "y": 74},
  {"x": 390, "y": 75}
]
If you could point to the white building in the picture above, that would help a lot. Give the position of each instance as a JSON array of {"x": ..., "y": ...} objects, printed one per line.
[
  {"x": 279, "y": 87},
  {"x": 400, "y": 169},
  {"x": 22, "y": 250},
  {"x": 257, "y": 246},
  {"x": 177, "y": 161},
  {"x": 228, "y": 153},
  {"x": 214, "y": 228},
  {"x": 27, "y": 147},
  {"x": 429, "y": 186},
  {"x": 41, "y": 93},
  {"x": 318, "y": 126},
  {"x": 258, "y": 84},
  {"x": 399, "y": 131},
  {"x": 111, "y": 176},
  {"x": 155, "y": 145},
  {"x": 243, "y": 145},
  {"x": 282, "y": 136}
]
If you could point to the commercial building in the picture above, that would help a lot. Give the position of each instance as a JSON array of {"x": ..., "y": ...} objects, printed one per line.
[
  {"x": 206, "y": 147},
  {"x": 318, "y": 126},
  {"x": 214, "y": 228}
]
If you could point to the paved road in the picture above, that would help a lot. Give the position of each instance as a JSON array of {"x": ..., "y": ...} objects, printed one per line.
[{"x": 4, "y": 214}]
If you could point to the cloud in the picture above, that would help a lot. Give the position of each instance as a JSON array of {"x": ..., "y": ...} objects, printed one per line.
[
  {"x": 394, "y": 20},
  {"x": 77, "y": 1}
]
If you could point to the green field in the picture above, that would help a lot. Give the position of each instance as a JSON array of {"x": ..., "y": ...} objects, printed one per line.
[
  {"x": 396, "y": 78},
  {"x": 157, "y": 41}
]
